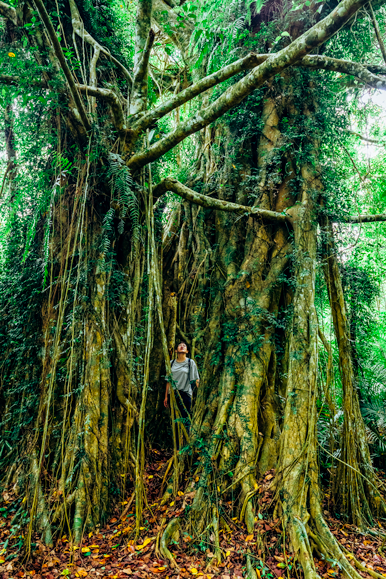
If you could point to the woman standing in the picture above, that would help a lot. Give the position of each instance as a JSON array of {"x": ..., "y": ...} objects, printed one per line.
[{"x": 184, "y": 373}]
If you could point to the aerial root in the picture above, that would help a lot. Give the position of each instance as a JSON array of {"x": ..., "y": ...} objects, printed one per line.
[
  {"x": 362, "y": 567},
  {"x": 158, "y": 538},
  {"x": 328, "y": 546},
  {"x": 248, "y": 512},
  {"x": 217, "y": 550},
  {"x": 61, "y": 509},
  {"x": 251, "y": 573},
  {"x": 304, "y": 551},
  {"x": 170, "y": 532}
]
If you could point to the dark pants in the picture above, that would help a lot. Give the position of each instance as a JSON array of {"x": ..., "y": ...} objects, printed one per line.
[{"x": 184, "y": 403}]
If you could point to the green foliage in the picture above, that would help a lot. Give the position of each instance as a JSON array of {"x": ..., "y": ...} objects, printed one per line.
[{"x": 122, "y": 192}]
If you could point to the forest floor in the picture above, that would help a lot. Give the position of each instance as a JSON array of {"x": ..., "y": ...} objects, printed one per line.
[{"x": 112, "y": 552}]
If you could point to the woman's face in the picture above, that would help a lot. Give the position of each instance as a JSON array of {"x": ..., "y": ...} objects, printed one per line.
[{"x": 182, "y": 348}]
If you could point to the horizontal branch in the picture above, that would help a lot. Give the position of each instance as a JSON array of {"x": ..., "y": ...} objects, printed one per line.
[
  {"x": 365, "y": 218},
  {"x": 275, "y": 63},
  {"x": 362, "y": 73},
  {"x": 366, "y": 139},
  {"x": 216, "y": 204}
]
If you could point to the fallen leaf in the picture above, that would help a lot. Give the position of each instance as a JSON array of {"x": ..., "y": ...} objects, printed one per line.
[
  {"x": 146, "y": 542},
  {"x": 193, "y": 571},
  {"x": 269, "y": 476},
  {"x": 249, "y": 537},
  {"x": 85, "y": 549}
]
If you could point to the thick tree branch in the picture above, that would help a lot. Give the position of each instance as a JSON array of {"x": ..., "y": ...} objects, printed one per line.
[
  {"x": 8, "y": 12},
  {"x": 12, "y": 80},
  {"x": 188, "y": 194},
  {"x": 274, "y": 64},
  {"x": 63, "y": 63},
  {"x": 346, "y": 67},
  {"x": 246, "y": 63},
  {"x": 365, "y": 218},
  {"x": 217, "y": 204}
]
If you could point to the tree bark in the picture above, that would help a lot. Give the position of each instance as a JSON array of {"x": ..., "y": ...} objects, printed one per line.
[{"x": 355, "y": 484}]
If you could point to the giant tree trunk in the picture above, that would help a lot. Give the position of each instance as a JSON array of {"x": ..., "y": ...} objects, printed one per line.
[{"x": 246, "y": 294}]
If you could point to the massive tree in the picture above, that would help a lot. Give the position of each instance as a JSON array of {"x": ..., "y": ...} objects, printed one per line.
[{"x": 233, "y": 273}]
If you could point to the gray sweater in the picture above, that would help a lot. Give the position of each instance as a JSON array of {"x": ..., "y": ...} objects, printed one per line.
[{"x": 180, "y": 374}]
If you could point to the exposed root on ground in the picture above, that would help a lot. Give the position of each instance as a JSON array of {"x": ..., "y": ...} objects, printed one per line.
[{"x": 171, "y": 532}]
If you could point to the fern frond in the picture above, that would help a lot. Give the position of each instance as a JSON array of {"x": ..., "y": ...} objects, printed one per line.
[{"x": 122, "y": 186}]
